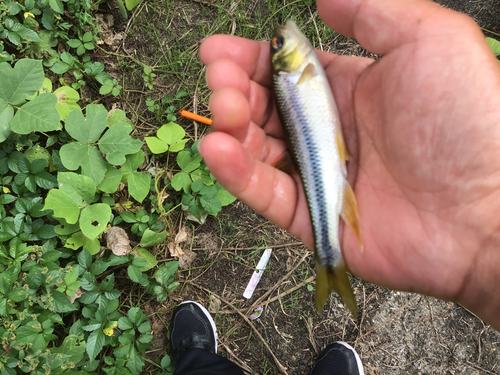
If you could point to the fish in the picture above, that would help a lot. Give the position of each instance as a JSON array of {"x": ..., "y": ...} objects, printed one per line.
[{"x": 313, "y": 131}]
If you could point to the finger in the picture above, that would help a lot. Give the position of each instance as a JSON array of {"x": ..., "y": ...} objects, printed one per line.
[
  {"x": 251, "y": 56},
  {"x": 225, "y": 73},
  {"x": 383, "y": 25},
  {"x": 267, "y": 190},
  {"x": 231, "y": 113}
]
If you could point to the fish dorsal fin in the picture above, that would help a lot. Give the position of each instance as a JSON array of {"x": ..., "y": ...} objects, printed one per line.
[
  {"x": 344, "y": 156},
  {"x": 350, "y": 212},
  {"x": 284, "y": 163},
  {"x": 308, "y": 73}
]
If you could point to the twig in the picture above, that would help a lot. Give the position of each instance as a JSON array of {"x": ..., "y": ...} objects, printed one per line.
[{"x": 281, "y": 368}]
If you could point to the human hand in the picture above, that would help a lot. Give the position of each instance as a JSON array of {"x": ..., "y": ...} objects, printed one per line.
[{"x": 422, "y": 126}]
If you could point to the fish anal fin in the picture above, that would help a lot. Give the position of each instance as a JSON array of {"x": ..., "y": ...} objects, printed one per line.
[
  {"x": 308, "y": 73},
  {"x": 284, "y": 162},
  {"x": 344, "y": 156},
  {"x": 350, "y": 212},
  {"x": 330, "y": 279}
]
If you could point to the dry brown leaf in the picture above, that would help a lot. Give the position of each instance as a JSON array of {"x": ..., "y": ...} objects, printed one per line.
[
  {"x": 78, "y": 294},
  {"x": 175, "y": 249},
  {"x": 118, "y": 241},
  {"x": 186, "y": 259},
  {"x": 181, "y": 236}
]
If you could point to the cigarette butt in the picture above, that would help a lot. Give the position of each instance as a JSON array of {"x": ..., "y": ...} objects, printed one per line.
[
  {"x": 195, "y": 117},
  {"x": 254, "y": 280}
]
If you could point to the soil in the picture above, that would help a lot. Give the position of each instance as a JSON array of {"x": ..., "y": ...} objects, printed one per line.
[{"x": 396, "y": 332}]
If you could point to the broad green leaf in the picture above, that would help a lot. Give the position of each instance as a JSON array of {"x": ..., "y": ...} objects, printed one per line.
[
  {"x": 67, "y": 99},
  {"x": 117, "y": 115},
  {"x": 125, "y": 323},
  {"x": 57, "y": 6},
  {"x": 150, "y": 259},
  {"x": 178, "y": 145},
  {"x": 131, "y": 4},
  {"x": 188, "y": 162},
  {"x": 138, "y": 185},
  {"x": 93, "y": 246},
  {"x": 495, "y": 45},
  {"x": 80, "y": 188},
  {"x": 37, "y": 152},
  {"x": 84, "y": 259},
  {"x": 64, "y": 228},
  {"x": 61, "y": 302},
  {"x": 62, "y": 205},
  {"x": 6, "y": 115},
  {"x": 22, "y": 81},
  {"x": 181, "y": 181},
  {"x": 75, "y": 241},
  {"x": 135, "y": 361},
  {"x": 71, "y": 276},
  {"x": 111, "y": 180},
  {"x": 156, "y": 145},
  {"x": 76, "y": 154},
  {"x": 94, "y": 219},
  {"x": 134, "y": 273},
  {"x": 171, "y": 133},
  {"x": 95, "y": 343},
  {"x": 116, "y": 143},
  {"x": 39, "y": 115},
  {"x": 150, "y": 238},
  {"x": 133, "y": 161},
  {"x": 212, "y": 205},
  {"x": 87, "y": 129}
]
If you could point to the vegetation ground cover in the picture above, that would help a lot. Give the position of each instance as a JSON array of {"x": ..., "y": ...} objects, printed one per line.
[{"x": 110, "y": 217}]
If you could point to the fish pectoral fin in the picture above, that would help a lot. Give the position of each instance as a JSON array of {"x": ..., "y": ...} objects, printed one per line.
[
  {"x": 350, "y": 212},
  {"x": 344, "y": 156},
  {"x": 328, "y": 280},
  {"x": 284, "y": 162},
  {"x": 308, "y": 73}
]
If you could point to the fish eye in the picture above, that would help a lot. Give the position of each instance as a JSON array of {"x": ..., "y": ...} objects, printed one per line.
[{"x": 277, "y": 43}]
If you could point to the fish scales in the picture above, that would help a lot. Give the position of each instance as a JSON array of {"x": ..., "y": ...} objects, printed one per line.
[
  {"x": 310, "y": 117},
  {"x": 310, "y": 124}
]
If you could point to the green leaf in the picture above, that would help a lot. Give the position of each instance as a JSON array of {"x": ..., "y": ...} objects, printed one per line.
[
  {"x": 111, "y": 180},
  {"x": 67, "y": 99},
  {"x": 125, "y": 323},
  {"x": 138, "y": 185},
  {"x": 211, "y": 205},
  {"x": 171, "y": 133},
  {"x": 88, "y": 129},
  {"x": 71, "y": 276},
  {"x": 61, "y": 302},
  {"x": 94, "y": 219},
  {"x": 181, "y": 181},
  {"x": 495, "y": 45},
  {"x": 131, "y": 4},
  {"x": 135, "y": 274},
  {"x": 22, "y": 81},
  {"x": 93, "y": 246},
  {"x": 188, "y": 162},
  {"x": 117, "y": 143},
  {"x": 150, "y": 238},
  {"x": 6, "y": 115},
  {"x": 60, "y": 67},
  {"x": 75, "y": 241},
  {"x": 80, "y": 188},
  {"x": 95, "y": 343},
  {"x": 40, "y": 115},
  {"x": 84, "y": 259},
  {"x": 57, "y": 6},
  {"x": 156, "y": 145},
  {"x": 74, "y": 43},
  {"x": 76, "y": 154},
  {"x": 150, "y": 259},
  {"x": 134, "y": 161},
  {"x": 62, "y": 205}
]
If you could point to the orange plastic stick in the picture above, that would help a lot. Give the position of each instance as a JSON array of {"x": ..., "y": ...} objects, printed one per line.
[{"x": 195, "y": 117}]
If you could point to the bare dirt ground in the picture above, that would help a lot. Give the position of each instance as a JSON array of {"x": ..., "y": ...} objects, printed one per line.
[{"x": 396, "y": 332}]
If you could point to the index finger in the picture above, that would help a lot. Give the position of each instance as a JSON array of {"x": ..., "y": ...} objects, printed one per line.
[{"x": 252, "y": 56}]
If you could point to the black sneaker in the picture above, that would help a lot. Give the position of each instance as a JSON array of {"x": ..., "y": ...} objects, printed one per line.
[
  {"x": 338, "y": 358},
  {"x": 192, "y": 327}
]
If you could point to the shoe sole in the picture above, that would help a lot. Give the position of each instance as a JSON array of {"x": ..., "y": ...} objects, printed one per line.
[
  {"x": 209, "y": 317},
  {"x": 358, "y": 360}
]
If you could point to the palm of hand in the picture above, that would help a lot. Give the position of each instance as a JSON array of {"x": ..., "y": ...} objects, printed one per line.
[{"x": 422, "y": 161}]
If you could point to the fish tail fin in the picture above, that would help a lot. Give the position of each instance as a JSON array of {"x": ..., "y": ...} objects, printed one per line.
[
  {"x": 350, "y": 213},
  {"x": 334, "y": 279}
]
